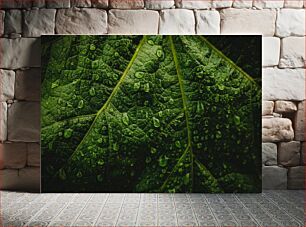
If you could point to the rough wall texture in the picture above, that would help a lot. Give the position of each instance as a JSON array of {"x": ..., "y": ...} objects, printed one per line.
[{"x": 281, "y": 22}]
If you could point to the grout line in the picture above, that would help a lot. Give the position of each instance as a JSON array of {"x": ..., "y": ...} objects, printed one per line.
[
  {"x": 212, "y": 212},
  {"x": 81, "y": 210},
  {"x": 100, "y": 213},
  {"x": 120, "y": 209},
  {"x": 194, "y": 214}
]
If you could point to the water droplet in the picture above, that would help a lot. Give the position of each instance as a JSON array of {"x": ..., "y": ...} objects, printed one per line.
[
  {"x": 146, "y": 87},
  {"x": 218, "y": 135},
  {"x": 136, "y": 86},
  {"x": 153, "y": 150},
  {"x": 221, "y": 87},
  {"x": 139, "y": 75},
  {"x": 148, "y": 159},
  {"x": 217, "y": 98},
  {"x": 55, "y": 84},
  {"x": 60, "y": 133},
  {"x": 178, "y": 144},
  {"x": 214, "y": 109},
  {"x": 164, "y": 170},
  {"x": 95, "y": 77},
  {"x": 115, "y": 147},
  {"x": 125, "y": 119},
  {"x": 132, "y": 173},
  {"x": 60, "y": 101},
  {"x": 150, "y": 42},
  {"x": 186, "y": 179},
  {"x": 160, "y": 113},
  {"x": 100, "y": 162},
  {"x": 100, "y": 140},
  {"x": 81, "y": 104},
  {"x": 99, "y": 178},
  {"x": 156, "y": 122},
  {"x": 92, "y": 47},
  {"x": 68, "y": 133},
  {"x": 117, "y": 54},
  {"x": 237, "y": 120},
  {"x": 62, "y": 174},
  {"x": 160, "y": 53},
  {"x": 163, "y": 160},
  {"x": 171, "y": 101},
  {"x": 92, "y": 91},
  {"x": 200, "y": 107},
  {"x": 79, "y": 174},
  {"x": 199, "y": 145}
]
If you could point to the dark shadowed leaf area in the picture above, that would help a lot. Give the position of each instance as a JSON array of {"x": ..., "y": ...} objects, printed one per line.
[{"x": 149, "y": 114}]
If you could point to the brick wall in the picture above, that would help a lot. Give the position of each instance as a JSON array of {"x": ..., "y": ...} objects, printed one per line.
[{"x": 281, "y": 22}]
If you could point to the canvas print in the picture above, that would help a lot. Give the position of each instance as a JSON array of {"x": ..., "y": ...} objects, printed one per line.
[{"x": 151, "y": 114}]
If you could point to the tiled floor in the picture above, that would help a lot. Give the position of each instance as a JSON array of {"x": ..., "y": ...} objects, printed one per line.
[{"x": 271, "y": 208}]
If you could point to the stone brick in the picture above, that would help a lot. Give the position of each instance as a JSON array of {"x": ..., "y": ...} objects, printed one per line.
[
  {"x": 289, "y": 153},
  {"x": 267, "y": 107},
  {"x": 290, "y": 22},
  {"x": 13, "y": 21},
  {"x": 248, "y": 21},
  {"x": 222, "y": 3},
  {"x": 299, "y": 122},
  {"x": 27, "y": 85},
  {"x": 283, "y": 84},
  {"x": 261, "y": 4},
  {"x": 2, "y": 15},
  {"x": 277, "y": 129},
  {"x": 20, "y": 53},
  {"x": 242, "y": 4},
  {"x": 270, "y": 50},
  {"x": 126, "y": 4},
  {"x": 153, "y": 4},
  {"x": 56, "y": 4},
  {"x": 15, "y": 4},
  {"x": 33, "y": 154},
  {"x": 39, "y": 3},
  {"x": 269, "y": 154},
  {"x": 133, "y": 22},
  {"x": 293, "y": 52},
  {"x": 24, "y": 122},
  {"x": 293, "y": 3},
  {"x": 274, "y": 177},
  {"x": 80, "y": 3},
  {"x": 81, "y": 21},
  {"x": 99, "y": 3},
  {"x": 13, "y": 155},
  {"x": 39, "y": 22},
  {"x": 177, "y": 21},
  {"x": 3, "y": 121},
  {"x": 7, "y": 84},
  {"x": 285, "y": 106},
  {"x": 192, "y": 4},
  {"x": 296, "y": 177},
  {"x": 26, "y": 179},
  {"x": 207, "y": 22}
]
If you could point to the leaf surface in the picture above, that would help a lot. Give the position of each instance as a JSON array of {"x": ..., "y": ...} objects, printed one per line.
[{"x": 148, "y": 114}]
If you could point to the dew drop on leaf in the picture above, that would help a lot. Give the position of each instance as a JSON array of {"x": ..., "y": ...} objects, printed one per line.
[
  {"x": 139, "y": 75},
  {"x": 156, "y": 122},
  {"x": 100, "y": 140},
  {"x": 60, "y": 133},
  {"x": 62, "y": 174},
  {"x": 92, "y": 91},
  {"x": 150, "y": 42},
  {"x": 178, "y": 144},
  {"x": 153, "y": 150},
  {"x": 81, "y": 104},
  {"x": 171, "y": 101},
  {"x": 125, "y": 119},
  {"x": 79, "y": 174},
  {"x": 100, "y": 162},
  {"x": 148, "y": 159},
  {"x": 115, "y": 147},
  {"x": 163, "y": 160},
  {"x": 237, "y": 120},
  {"x": 218, "y": 135},
  {"x": 160, "y": 113},
  {"x": 136, "y": 86},
  {"x": 146, "y": 87},
  {"x": 92, "y": 47},
  {"x": 55, "y": 84},
  {"x": 68, "y": 133},
  {"x": 99, "y": 178},
  {"x": 199, "y": 145},
  {"x": 186, "y": 179},
  {"x": 160, "y": 53}
]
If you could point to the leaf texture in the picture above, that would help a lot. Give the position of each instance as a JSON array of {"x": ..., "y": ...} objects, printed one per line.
[{"x": 147, "y": 114}]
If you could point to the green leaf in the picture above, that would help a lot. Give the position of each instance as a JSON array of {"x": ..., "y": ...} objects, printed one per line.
[{"x": 147, "y": 114}]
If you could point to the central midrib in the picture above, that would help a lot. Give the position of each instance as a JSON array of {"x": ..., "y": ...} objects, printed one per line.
[{"x": 184, "y": 99}]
